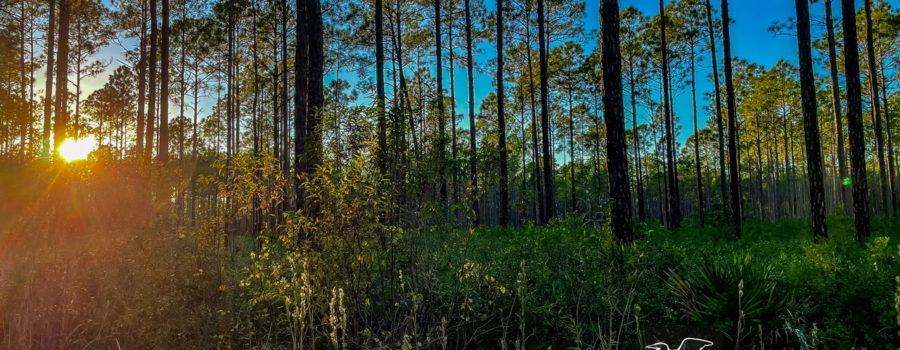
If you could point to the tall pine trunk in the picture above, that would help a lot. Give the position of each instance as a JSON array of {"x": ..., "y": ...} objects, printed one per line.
[
  {"x": 720, "y": 127},
  {"x": 549, "y": 197},
  {"x": 439, "y": 99},
  {"x": 855, "y": 122},
  {"x": 501, "y": 121},
  {"x": 642, "y": 213},
  {"x": 673, "y": 207},
  {"x": 617, "y": 158},
  {"x": 164, "y": 87},
  {"x": 892, "y": 171},
  {"x": 379, "y": 84},
  {"x": 810, "y": 123},
  {"x": 735, "y": 180},
  {"x": 151, "y": 76},
  {"x": 836, "y": 108},
  {"x": 876, "y": 107},
  {"x": 473, "y": 151},
  {"x": 48, "y": 84},
  {"x": 701, "y": 202},
  {"x": 61, "y": 115}
]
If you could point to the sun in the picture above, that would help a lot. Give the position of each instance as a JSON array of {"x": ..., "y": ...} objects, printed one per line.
[{"x": 71, "y": 149}]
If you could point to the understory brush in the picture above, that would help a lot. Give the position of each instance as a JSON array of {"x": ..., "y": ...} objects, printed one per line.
[{"x": 116, "y": 267}]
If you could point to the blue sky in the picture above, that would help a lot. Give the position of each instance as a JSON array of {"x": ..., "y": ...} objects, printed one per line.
[{"x": 750, "y": 36}]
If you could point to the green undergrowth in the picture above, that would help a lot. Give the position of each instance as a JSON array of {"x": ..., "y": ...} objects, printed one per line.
[{"x": 568, "y": 284}]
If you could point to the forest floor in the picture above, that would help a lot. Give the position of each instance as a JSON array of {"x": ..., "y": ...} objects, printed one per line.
[{"x": 86, "y": 260}]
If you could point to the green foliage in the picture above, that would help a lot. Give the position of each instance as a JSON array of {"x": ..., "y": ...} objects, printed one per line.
[{"x": 734, "y": 294}]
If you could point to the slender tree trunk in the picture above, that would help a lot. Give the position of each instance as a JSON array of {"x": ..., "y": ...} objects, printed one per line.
[
  {"x": 723, "y": 182},
  {"x": 613, "y": 110},
  {"x": 183, "y": 92},
  {"x": 473, "y": 151},
  {"x": 642, "y": 214},
  {"x": 48, "y": 84},
  {"x": 701, "y": 202},
  {"x": 142, "y": 82},
  {"x": 277, "y": 141},
  {"x": 315, "y": 86},
  {"x": 892, "y": 173},
  {"x": 836, "y": 103},
  {"x": 736, "y": 197},
  {"x": 501, "y": 120},
  {"x": 439, "y": 98},
  {"x": 164, "y": 87},
  {"x": 454, "y": 152},
  {"x": 61, "y": 115},
  {"x": 574, "y": 198},
  {"x": 379, "y": 86},
  {"x": 674, "y": 207},
  {"x": 549, "y": 197},
  {"x": 23, "y": 83},
  {"x": 876, "y": 107},
  {"x": 540, "y": 218},
  {"x": 285, "y": 101},
  {"x": 810, "y": 123},
  {"x": 855, "y": 122},
  {"x": 151, "y": 76},
  {"x": 301, "y": 64}
]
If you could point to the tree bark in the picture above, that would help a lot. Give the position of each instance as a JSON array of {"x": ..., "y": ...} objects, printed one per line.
[
  {"x": 701, "y": 202},
  {"x": 613, "y": 110},
  {"x": 151, "y": 76},
  {"x": 473, "y": 151},
  {"x": 501, "y": 121},
  {"x": 736, "y": 196},
  {"x": 379, "y": 87},
  {"x": 439, "y": 99},
  {"x": 876, "y": 108},
  {"x": 61, "y": 115},
  {"x": 674, "y": 205},
  {"x": 855, "y": 122},
  {"x": 549, "y": 196},
  {"x": 642, "y": 213},
  {"x": 164, "y": 87},
  {"x": 48, "y": 84},
  {"x": 836, "y": 103},
  {"x": 810, "y": 123},
  {"x": 720, "y": 125},
  {"x": 892, "y": 171},
  {"x": 309, "y": 77}
]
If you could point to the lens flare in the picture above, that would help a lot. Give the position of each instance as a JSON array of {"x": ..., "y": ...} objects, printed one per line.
[{"x": 71, "y": 149}]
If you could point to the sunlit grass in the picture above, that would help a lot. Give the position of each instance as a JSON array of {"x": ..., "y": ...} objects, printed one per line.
[{"x": 71, "y": 149}]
